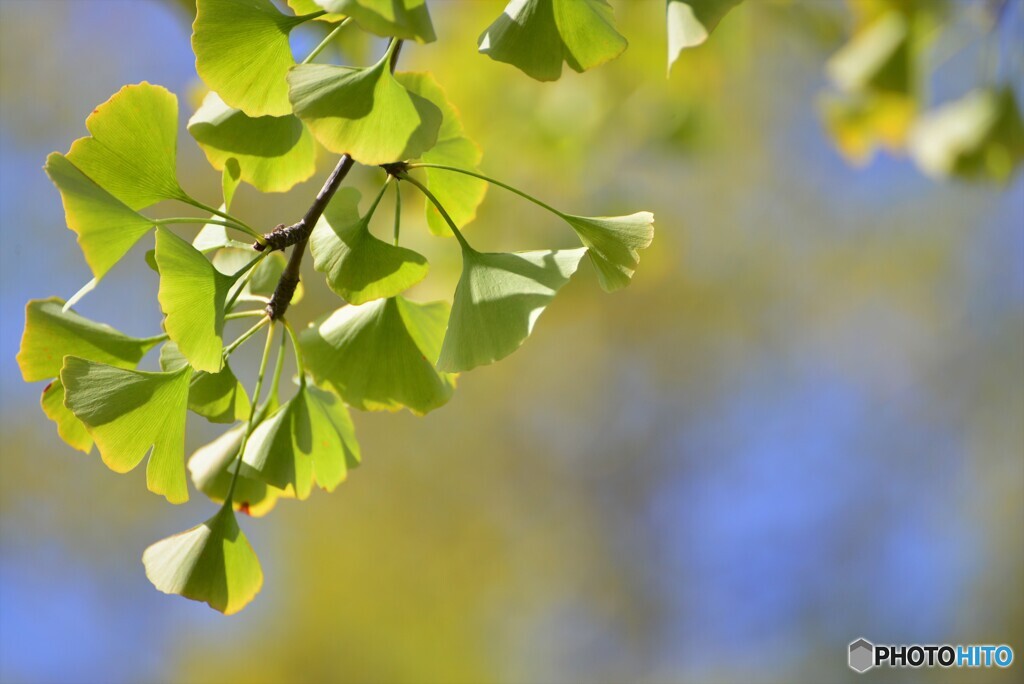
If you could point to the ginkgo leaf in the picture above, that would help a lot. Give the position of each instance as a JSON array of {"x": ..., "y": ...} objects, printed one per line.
[
  {"x": 71, "y": 430},
  {"x": 878, "y": 58},
  {"x": 212, "y": 467},
  {"x": 310, "y": 438},
  {"x": 132, "y": 152},
  {"x": 408, "y": 19},
  {"x": 242, "y": 53},
  {"x": 861, "y": 123},
  {"x": 301, "y": 7},
  {"x": 612, "y": 243},
  {"x": 231, "y": 176},
  {"x": 129, "y": 413},
  {"x": 218, "y": 397},
  {"x": 358, "y": 266},
  {"x": 52, "y": 333},
  {"x": 192, "y": 296},
  {"x": 380, "y": 355},
  {"x": 538, "y": 35},
  {"x": 273, "y": 152},
  {"x": 498, "y": 300},
  {"x": 690, "y": 22},
  {"x": 978, "y": 136},
  {"x": 106, "y": 227},
  {"x": 363, "y": 112},
  {"x": 458, "y": 193},
  {"x": 212, "y": 562}
]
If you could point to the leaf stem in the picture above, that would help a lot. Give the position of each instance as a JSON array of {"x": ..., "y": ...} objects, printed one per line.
[
  {"x": 239, "y": 223},
  {"x": 246, "y": 335},
  {"x": 196, "y": 220},
  {"x": 398, "y": 211},
  {"x": 325, "y": 42},
  {"x": 444, "y": 214},
  {"x": 301, "y": 368},
  {"x": 492, "y": 181},
  {"x": 278, "y": 369},
  {"x": 229, "y": 499}
]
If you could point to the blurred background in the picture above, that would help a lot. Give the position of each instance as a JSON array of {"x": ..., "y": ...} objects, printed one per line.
[{"x": 803, "y": 423}]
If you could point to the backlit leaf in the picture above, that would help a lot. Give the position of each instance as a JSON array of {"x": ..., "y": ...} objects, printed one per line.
[
  {"x": 358, "y": 266},
  {"x": 309, "y": 439},
  {"x": 192, "y": 296},
  {"x": 497, "y": 302},
  {"x": 218, "y": 397},
  {"x": 538, "y": 35},
  {"x": 862, "y": 123},
  {"x": 407, "y": 19},
  {"x": 364, "y": 112},
  {"x": 212, "y": 467},
  {"x": 212, "y": 562},
  {"x": 273, "y": 153},
  {"x": 612, "y": 243},
  {"x": 690, "y": 22},
  {"x": 70, "y": 429},
  {"x": 132, "y": 152},
  {"x": 980, "y": 136},
  {"x": 301, "y": 7},
  {"x": 380, "y": 355},
  {"x": 878, "y": 58},
  {"x": 106, "y": 227},
  {"x": 242, "y": 53},
  {"x": 129, "y": 413},
  {"x": 52, "y": 333},
  {"x": 458, "y": 193}
]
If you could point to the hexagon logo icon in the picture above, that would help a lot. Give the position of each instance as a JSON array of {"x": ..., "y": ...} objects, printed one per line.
[{"x": 862, "y": 655}]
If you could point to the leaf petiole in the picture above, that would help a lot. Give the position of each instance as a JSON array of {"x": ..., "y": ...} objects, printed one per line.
[
  {"x": 325, "y": 42},
  {"x": 444, "y": 214},
  {"x": 250, "y": 426},
  {"x": 236, "y": 223},
  {"x": 301, "y": 368},
  {"x": 398, "y": 211},
  {"x": 492, "y": 181},
  {"x": 246, "y": 335}
]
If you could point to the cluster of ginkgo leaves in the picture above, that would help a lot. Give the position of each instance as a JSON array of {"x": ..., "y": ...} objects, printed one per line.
[{"x": 261, "y": 123}]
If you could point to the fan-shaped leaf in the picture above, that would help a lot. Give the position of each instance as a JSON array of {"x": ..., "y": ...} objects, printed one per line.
[
  {"x": 192, "y": 296},
  {"x": 407, "y": 19},
  {"x": 212, "y": 562},
  {"x": 497, "y": 302},
  {"x": 106, "y": 227},
  {"x": 128, "y": 413},
  {"x": 538, "y": 35},
  {"x": 380, "y": 355},
  {"x": 358, "y": 266},
  {"x": 363, "y": 112},
  {"x": 132, "y": 152},
  {"x": 218, "y": 397},
  {"x": 612, "y": 243},
  {"x": 273, "y": 153},
  {"x": 212, "y": 467},
  {"x": 458, "y": 193},
  {"x": 690, "y": 22},
  {"x": 242, "y": 53},
  {"x": 309, "y": 439}
]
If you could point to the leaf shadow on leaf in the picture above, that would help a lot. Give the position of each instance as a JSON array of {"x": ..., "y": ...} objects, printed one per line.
[{"x": 248, "y": 134}]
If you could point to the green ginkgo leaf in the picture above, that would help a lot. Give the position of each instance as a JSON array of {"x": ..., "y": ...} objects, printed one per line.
[
  {"x": 273, "y": 153},
  {"x": 242, "y": 53},
  {"x": 301, "y": 7},
  {"x": 192, "y": 296},
  {"x": 106, "y": 227},
  {"x": 538, "y": 35},
  {"x": 407, "y": 19},
  {"x": 363, "y": 112},
  {"x": 212, "y": 562},
  {"x": 212, "y": 467},
  {"x": 218, "y": 397},
  {"x": 309, "y": 439},
  {"x": 877, "y": 59},
  {"x": 380, "y": 355},
  {"x": 980, "y": 136},
  {"x": 498, "y": 300},
  {"x": 52, "y": 333},
  {"x": 458, "y": 193},
  {"x": 130, "y": 413},
  {"x": 612, "y": 243},
  {"x": 71, "y": 430},
  {"x": 690, "y": 22},
  {"x": 358, "y": 266},
  {"x": 132, "y": 152}
]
